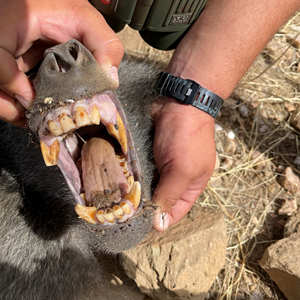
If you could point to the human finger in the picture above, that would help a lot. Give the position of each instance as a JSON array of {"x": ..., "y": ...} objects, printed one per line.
[
  {"x": 101, "y": 40},
  {"x": 14, "y": 82}
]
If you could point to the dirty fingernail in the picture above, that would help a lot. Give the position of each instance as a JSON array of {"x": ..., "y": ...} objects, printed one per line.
[
  {"x": 114, "y": 74},
  {"x": 22, "y": 101},
  {"x": 161, "y": 221}
]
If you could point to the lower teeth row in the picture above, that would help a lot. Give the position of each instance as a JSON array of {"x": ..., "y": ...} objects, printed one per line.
[{"x": 91, "y": 215}]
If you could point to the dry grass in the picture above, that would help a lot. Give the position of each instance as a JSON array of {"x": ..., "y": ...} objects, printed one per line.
[{"x": 247, "y": 191}]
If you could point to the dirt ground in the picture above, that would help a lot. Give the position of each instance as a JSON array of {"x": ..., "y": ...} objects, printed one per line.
[{"x": 255, "y": 142}]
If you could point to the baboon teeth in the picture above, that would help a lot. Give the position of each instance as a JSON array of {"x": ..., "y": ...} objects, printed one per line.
[
  {"x": 118, "y": 131},
  {"x": 134, "y": 196},
  {"x": 125, "y": 207},
  {"x": 50, "y": 154},
  {"x": 118, "y": 212},
  {"x": 81, "y": 117},
  {"x": 122, "y": 133},
  {"x": 130, "y": 180},
  {"x": 100, "y": 216},
  {"x": 54, "y": 128},
  {"x": 109, "y": 216},
  {"x": 95, "y": 116},
  {"x": 66, "y": 123},
  {"x": 86, "y": 213}
]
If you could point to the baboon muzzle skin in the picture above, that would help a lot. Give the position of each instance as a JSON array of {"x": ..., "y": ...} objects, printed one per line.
[{"x": 46, "y": 251}]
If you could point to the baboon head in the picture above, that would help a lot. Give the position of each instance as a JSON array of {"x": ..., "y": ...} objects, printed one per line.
[{"x": 83, "y": 129}]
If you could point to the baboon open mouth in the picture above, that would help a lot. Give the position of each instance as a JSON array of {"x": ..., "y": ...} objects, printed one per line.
[{"x": 89, "y": 141}]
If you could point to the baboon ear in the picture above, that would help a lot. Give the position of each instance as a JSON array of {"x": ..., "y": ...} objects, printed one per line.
[{"x": 63, "y": 74}]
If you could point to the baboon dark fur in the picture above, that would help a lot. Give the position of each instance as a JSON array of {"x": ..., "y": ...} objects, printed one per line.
[{"x": 46, "y": 252}]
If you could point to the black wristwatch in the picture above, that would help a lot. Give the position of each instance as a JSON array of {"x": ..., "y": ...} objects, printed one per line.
[{"x": 187, "y": 91}]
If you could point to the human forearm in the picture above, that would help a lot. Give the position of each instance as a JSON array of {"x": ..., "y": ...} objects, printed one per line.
[{"x": 226, "y": 39}]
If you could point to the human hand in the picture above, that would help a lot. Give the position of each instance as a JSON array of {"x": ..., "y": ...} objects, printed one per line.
[
  {"x": 184, "y": 153},
  {"x": 27, "y": 28}
]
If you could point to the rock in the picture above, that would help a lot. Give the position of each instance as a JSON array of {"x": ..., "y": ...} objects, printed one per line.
[
  {"x": 295, "y": 120},
  {"x": 231, "y": 135},
  {"x": 288, "y": 207},
  {"x": 244, "y": 111},
  {"x": 289, "y": 180},
  {"x": 115, "y": 284},
  {"x": 289, "y": 107},
  {"x": 218, "y": 127},
  {"x": 182, "y": 262},
  {"x": 259, "y": 160},
  {"x": 293, "y": 225},
  {"x": 282, "y": 260},
  {"x": 226, "y": 164},
  {"x": 297, "y": 161},
  {"x": 295, "y": 43},
  {"x": 263, "y": 129},
  {"x": 257, "y": 296}
]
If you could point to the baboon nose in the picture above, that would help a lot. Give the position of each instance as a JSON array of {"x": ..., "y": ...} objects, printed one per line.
[{"x": 67, "y": 57}]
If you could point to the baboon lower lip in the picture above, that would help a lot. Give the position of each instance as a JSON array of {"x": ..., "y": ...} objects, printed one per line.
[{"x": 91, "y": 164}]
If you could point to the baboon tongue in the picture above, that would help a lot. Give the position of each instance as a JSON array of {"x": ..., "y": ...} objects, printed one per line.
[{"x": 103, "y": 179}]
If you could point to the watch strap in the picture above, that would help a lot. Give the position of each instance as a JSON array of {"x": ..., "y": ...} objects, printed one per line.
[{"x": 187, "y": 91}]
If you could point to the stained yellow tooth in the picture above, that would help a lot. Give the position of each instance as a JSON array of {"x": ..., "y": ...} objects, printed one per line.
[
  {"x": 118, "y": 212},
  {"x": 55, "y": 130},
  {"x": 50, "y": 154},
  {"x": 130, "y": 180},
  {"x": 108, "y": 215},
  {"x": 134, "y": 196},
  {"x": 83, "y": 196},
  {"x": 100, "y": 216},
  {"x": 66, "y": 123},
  {"x": 112, "y": 130},
  {"x": 81, "y": 117},
  {"x": 118, "y": 131},
  {"x": 122, "y": 133},
  {"x": 95, "y": 117},
  {"x": 86, "y": 213},
  {"x": 125, "y": 208}
]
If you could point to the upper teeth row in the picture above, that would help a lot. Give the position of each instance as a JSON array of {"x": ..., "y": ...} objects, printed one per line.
[{"x": 81, "y": 118}]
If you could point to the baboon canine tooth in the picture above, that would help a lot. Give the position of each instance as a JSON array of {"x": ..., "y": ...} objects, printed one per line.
[
  {"x": 122, "y": 133},
  {"x": 86, "y": 213},
  {"x": 55, "y": 130},
  {"x": 108, "y": 215},
  {"x": 118, "y": 212},
  {"x": 81, "y": 117},
  {"x": 130, "y": 180},
  {"x": 134, "y": 196},
  {"x": 125, "y": 208},
  {"x": 95, "y": 117},
  {"x": 50, "y": 154},
  {"x": 111, "y": 129},
  {"x": 66, "y": 123},
  {"x": 83, "y": 196},
  {"x": 100, "y": 216},
  {"x": 118, "y": 131}
]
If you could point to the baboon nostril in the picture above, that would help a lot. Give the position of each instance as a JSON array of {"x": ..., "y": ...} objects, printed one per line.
[
  {"x": 63, "y": 65},
  {"x": 74, "y": 49}
]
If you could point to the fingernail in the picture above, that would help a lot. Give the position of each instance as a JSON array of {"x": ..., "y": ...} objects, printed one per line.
[
  {"x": 161, "y": 221},
  {"x": 22, "y": 101},
  {"x": 114, "y": 74}
]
